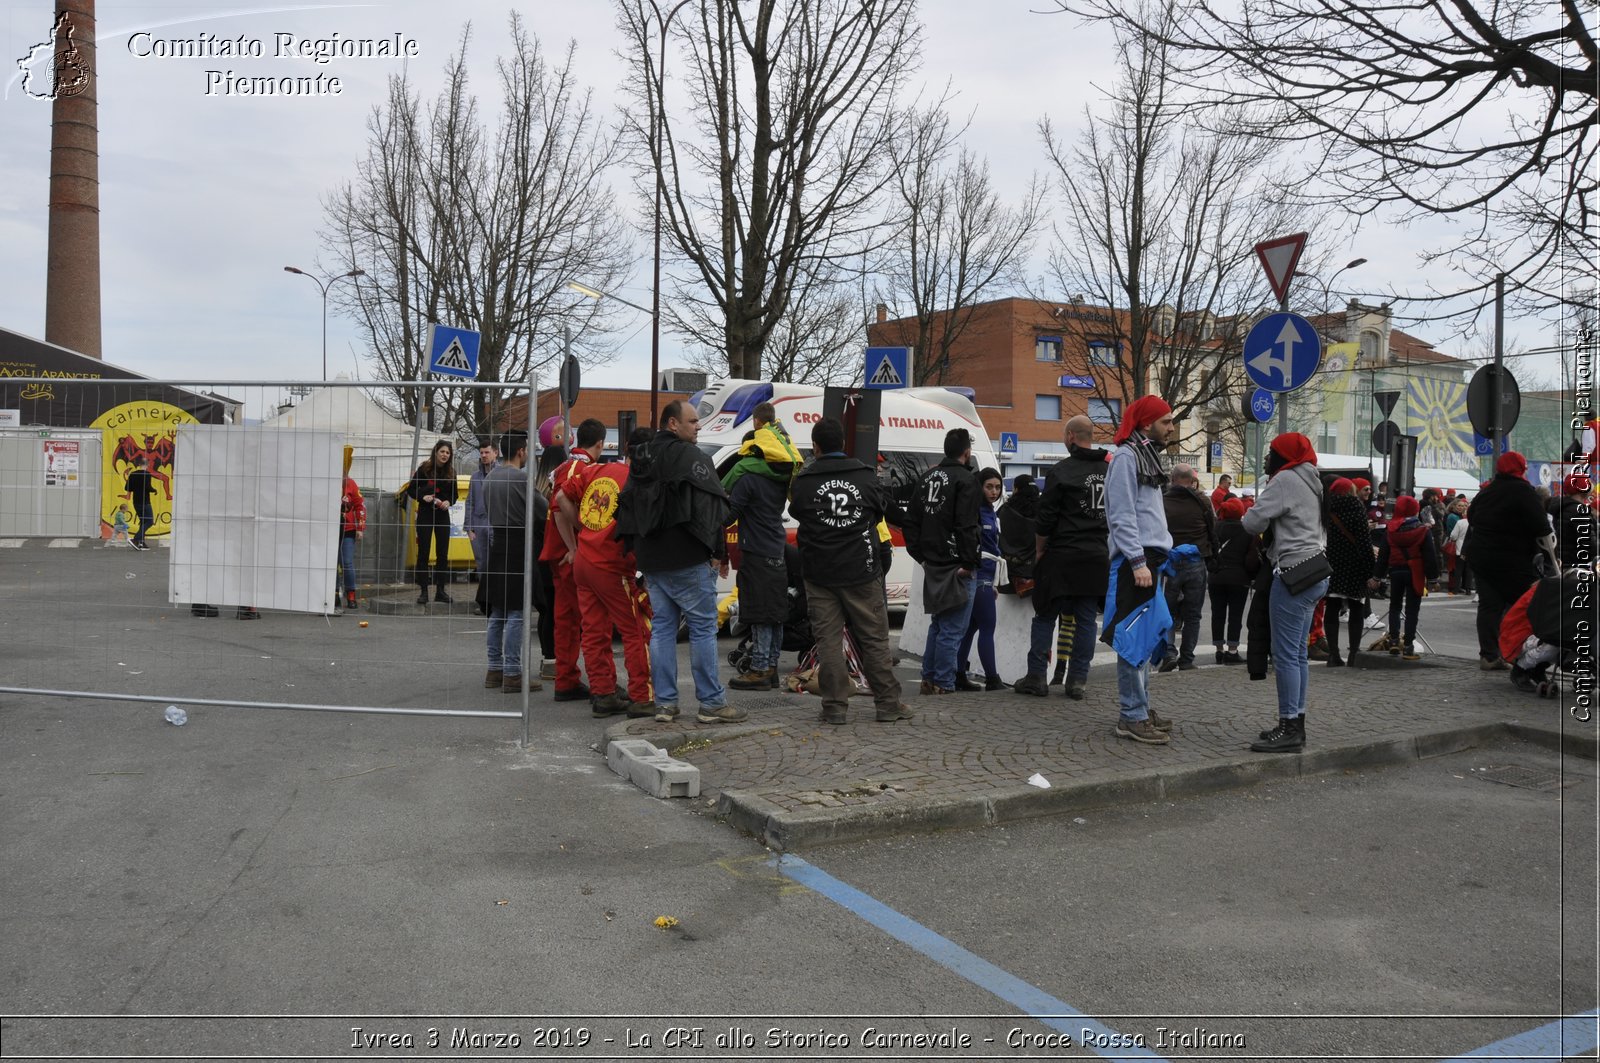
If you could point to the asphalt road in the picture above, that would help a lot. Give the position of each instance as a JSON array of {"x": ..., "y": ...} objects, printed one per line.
[{"x": 255, "y": 869}]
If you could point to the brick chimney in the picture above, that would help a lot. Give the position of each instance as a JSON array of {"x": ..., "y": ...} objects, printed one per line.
[
  {"x": 72, "y": 264},
  {"x": 883, "y": 313}
]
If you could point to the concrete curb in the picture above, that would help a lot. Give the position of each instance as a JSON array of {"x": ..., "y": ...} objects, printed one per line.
[{"x": 784, "y": 830}]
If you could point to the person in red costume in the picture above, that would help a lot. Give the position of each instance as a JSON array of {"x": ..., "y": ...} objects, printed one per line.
[
  {"x": 558, "y": 553},
  {"x": 609, "y": 595}
]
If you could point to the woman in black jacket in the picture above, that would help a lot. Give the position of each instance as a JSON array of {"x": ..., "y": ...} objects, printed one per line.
[
  {"x": 1350, "y": 555},
  {"x": 1237, "y": 561},
  {"x": 433, "y": 486}
]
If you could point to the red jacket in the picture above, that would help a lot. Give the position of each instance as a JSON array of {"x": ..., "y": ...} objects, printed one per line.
[{"x": 352, "y": 509}]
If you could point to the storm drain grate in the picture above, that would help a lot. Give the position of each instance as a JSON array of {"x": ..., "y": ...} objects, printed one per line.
[{"x": 1526, "y": 778}]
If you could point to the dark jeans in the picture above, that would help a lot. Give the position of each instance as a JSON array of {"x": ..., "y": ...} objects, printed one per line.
[
  {"x": 1076, "y": 645},
  {"x": 435, "y": 539},
  {"x": 147, "y": 520},
  {"x": 1227, "y": 614},
  {"x": 1492, "y": 606},
  {"x": 1186, "y": 597},
  {"x": 981, "y": 627},
  {"x": 1402, "y": 595}
]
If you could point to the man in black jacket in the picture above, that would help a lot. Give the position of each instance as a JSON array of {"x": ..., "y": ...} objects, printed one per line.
[
  {"x": 671, "y": 514},
  {"x": 837, "y": 502},
  {"x": 943, "y": 537},
  {"x": 1073, "y": 561},
  {"x": 141, "y": 490},
  {"x": 1506, "y": 529},
  {"x": 1190, "y": 520}
]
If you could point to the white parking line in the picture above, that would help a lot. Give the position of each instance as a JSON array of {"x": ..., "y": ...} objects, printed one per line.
[
  {"x": 12, "y": 543},
  {"x": 64, "y": 542}
]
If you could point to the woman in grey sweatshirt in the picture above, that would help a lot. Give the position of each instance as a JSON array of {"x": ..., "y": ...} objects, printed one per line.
[{"x": 1291, "y": 506}]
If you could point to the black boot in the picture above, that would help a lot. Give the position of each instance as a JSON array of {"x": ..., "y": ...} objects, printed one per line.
[
  {"x": 1061, "y": 674},
  {"x": 1334, "y": 659},
  {"x": 963, "y": 683},
  {"x": 1288, "y": 737}
]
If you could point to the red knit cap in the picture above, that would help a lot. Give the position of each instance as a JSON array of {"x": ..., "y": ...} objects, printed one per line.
[
  {"x": 1576, "y": 483},
  {"x": 1231, "y": 509},
  {"x": 1140, "y": 413},
  {"x": 1405, "y": 506},
  {"x": 1513, "y": 463},
  {"x": 1341, "y": 486},
  {"x": 1294, "y": 449},
  {"x": 1361, "y": 482}
]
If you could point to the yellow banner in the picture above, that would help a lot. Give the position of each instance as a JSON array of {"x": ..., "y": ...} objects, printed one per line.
[{"x": 133, "y": 430}]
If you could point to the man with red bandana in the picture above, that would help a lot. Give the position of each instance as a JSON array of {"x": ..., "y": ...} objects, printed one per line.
[
  {"x": 1139, "y": 541},
  {"x": 609, "y": 595},
  {"x": 557, "y": 553}
]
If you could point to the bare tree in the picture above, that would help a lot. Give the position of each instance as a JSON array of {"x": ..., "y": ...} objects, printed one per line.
[
  {"x": 481, "y": 228},
  {"x": 1160, "y": 219},
  {"x": 1484, "y": 113},
  {"x": 954, "y": 243},
  {"x": 775, "y": 177}
]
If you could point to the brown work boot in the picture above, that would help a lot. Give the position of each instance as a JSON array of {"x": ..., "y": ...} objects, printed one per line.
[
  {"x": 1141, "y": 731},
  {"x": 765, "y": 679},
  {"x": 512, "y": 684},
  {"x": 493, "y": 678},
  {"x": 900, "y": 712},
  {"x": 1160, "y": 723}
]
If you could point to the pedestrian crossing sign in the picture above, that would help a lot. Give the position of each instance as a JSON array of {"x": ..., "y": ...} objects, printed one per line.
[
  {"x": 888, "y": 367},
  {"x": 453, "y": 351}
]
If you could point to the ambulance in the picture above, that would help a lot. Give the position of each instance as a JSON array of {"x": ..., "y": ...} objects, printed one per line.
[{"x": 911, "y": 431}]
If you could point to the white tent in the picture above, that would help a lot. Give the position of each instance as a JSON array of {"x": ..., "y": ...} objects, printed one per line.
[{"x": 382, "y": 443}]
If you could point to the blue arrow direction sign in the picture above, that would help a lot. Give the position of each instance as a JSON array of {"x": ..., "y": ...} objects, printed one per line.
[
  {"x": 887, "y": 368},
  {"x": 1282, "y": 352},
  {"x": 453, "y": 351},
  {"x": 1263, "y": 404}
]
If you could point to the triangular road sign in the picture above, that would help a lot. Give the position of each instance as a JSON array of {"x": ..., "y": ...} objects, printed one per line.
[
  {"x": 453, "y": 357},
  {"x": 886, "y": 375},
  {"x": 1279, "y": 258}
]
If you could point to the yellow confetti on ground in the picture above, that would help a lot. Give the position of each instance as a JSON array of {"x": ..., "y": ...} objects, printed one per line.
[{"x": 665, "y": 922}]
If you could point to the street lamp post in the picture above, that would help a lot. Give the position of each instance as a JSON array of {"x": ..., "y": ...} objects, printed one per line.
[
  {"x": 655, "y": 134},
  {"x": 325, "y": 285}
]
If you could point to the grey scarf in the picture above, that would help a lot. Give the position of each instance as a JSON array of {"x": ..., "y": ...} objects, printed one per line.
[{"x": 1150, "y": 472}]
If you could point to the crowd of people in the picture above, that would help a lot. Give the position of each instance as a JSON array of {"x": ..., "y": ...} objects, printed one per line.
[{"x": 1109, "y": 544}]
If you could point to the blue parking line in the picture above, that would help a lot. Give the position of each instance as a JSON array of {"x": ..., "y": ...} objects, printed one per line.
[
  {"x": 1033, "y": 1002},
  {"x": 1576, "y": 1035}
]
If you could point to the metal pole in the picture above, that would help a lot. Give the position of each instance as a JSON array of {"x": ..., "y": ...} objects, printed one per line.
[
  {"x": 325, "y": 288},
  {"x": 528, "y": 572},
  {"x": 655, "y": 297},
  {"x": 1497, "y": 437},
  {"x": 1283, "y": 400}
]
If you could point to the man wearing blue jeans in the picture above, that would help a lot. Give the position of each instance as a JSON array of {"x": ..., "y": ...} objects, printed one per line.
[
  {"x": 506, "y": 502},
  {"x": 671, "y": 514},
  {"x": 943, "y": 538},
  {"x": 1071, "y": 563},
  {"x": 1139, "y": 543}
]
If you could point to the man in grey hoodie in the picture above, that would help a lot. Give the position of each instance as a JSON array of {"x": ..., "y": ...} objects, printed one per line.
[
  {"x": 1291, "y": 505},
  {"x": 1139, "y": 543}
]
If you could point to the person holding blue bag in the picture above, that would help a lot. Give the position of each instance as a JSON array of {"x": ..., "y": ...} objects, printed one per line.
[
  {"x": 1291, "y": 505},
  {"x": 1139, "y": 542}
]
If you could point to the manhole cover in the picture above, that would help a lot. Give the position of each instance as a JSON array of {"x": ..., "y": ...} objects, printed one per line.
[{"x": 1526, "y": 778}]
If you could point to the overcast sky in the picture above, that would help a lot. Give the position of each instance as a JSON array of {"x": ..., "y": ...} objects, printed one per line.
[{"x": 205, "y": 198}]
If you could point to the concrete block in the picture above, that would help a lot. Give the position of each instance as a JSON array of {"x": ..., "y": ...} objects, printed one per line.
[
  {"x": 622, "y": 751},
  {"x": 664, "y": 776},
  {"x": 652, "y": 769}
]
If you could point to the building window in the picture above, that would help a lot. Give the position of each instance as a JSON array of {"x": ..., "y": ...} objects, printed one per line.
[
  {"x": 1328, "y": 438},
  {"x": 1105, "y": 411},
  {"x": 1047, "y": 349},
  {"x": 1371, "y": 350},
  {"x": 1104, "y": 353},
  {"x": 1047, "y": 407}
]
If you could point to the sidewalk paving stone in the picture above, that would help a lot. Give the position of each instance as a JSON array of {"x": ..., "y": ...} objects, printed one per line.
[{"x": 793, "y": 781}]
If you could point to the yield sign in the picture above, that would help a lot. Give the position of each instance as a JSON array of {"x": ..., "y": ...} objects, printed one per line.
[{"x": 1279, "y": 258}]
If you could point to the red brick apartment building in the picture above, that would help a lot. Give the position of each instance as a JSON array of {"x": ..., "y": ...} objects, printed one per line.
[{"x": 1031, "y": 365}]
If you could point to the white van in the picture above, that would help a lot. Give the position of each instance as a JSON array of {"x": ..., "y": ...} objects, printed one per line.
[{"x": 910, "y": 437}]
